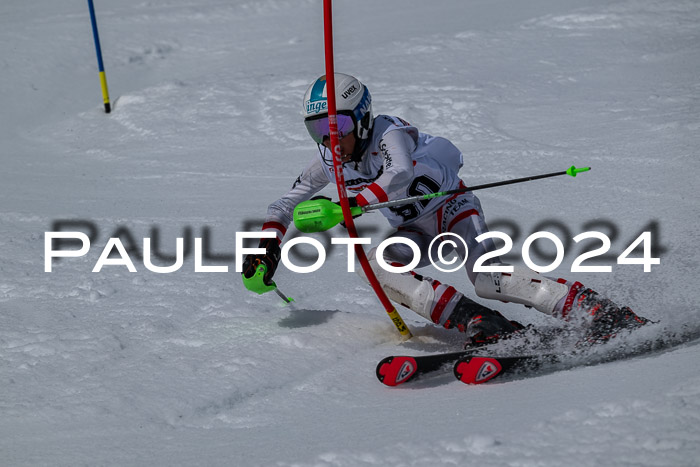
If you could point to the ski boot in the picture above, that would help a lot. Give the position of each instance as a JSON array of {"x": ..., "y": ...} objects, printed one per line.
[
  {"x": 608, "y": 318},
  {"x": 483, "y": 325}
]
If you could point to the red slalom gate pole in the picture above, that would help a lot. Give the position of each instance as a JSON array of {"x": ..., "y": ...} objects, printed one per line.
[{"x": 340, "y": 178}]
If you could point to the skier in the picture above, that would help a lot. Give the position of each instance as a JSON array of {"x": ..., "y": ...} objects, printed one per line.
[{"x": 385, "y": 158}]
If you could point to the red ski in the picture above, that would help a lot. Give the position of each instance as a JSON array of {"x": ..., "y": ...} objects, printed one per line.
[
  {"x": 399, "y": 369},
  {"x": 468, "y": 366},
  {"x": 477, "y": 369}
]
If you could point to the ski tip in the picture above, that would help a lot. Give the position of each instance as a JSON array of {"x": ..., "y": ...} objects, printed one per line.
[
  {"x": 393, "y": 371},
  {"x": 477, "y": 370}
]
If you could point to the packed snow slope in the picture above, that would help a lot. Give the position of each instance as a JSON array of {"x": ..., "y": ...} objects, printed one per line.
[{"x": 188, "y": 368}]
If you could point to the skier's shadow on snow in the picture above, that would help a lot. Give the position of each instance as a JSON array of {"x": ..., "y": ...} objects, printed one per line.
[{"x": 305, "y": 318}]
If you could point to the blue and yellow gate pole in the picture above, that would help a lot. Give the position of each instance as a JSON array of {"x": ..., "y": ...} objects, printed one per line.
[{"x": 100, "y": 64}]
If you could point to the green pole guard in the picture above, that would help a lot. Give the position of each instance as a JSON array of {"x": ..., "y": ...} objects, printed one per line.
[
  {"x": 319, "y": 215},
  {"x": 256, "y": 283}
]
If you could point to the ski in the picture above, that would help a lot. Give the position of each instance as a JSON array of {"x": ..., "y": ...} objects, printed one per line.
[
  {"x": 469, "y": 366},
  {"x": 398, "y": 369},
  {"x": 526, "y": 353},
  {"x": 477, "y": 369}
]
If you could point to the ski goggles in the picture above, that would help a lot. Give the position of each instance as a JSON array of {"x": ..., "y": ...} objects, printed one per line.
[{"x": 318, "y": 127}]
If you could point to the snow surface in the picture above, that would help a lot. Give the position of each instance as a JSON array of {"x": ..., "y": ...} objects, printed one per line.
[{"x": 119, "y": 368}]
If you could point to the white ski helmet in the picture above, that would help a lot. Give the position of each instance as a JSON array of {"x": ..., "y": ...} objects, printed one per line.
[{"x": 352, "y": 100}]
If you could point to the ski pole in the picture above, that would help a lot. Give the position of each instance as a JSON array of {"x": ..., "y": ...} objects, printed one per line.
[
  {"x": 412, "y": 199},
  {"x": 256, "y": 283},
  {"x": 319, "y": 215},
  {"x": 283, "y": 296}
]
